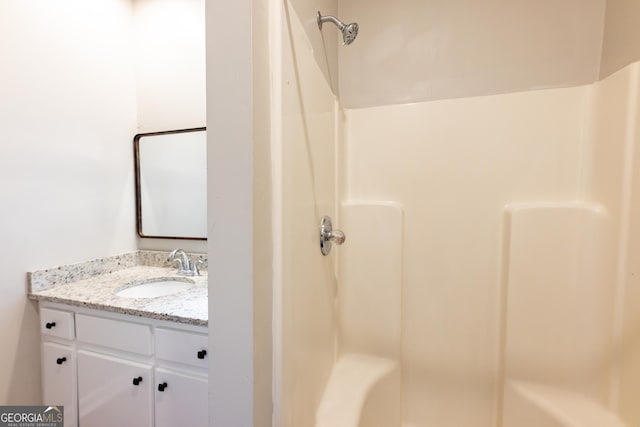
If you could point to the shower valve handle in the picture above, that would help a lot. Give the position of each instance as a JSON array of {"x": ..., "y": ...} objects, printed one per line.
[
  {"x": 328, "y": 236},
  {"x": 336, "y": 236}
]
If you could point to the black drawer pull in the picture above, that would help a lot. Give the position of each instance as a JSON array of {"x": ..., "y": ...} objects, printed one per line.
[
  {"x": 202, "y": 354},
  {"x": 50, "y": 325},
  {"x": 61, "y": 360},
  {"x": 162, "y": 387},
  {"x": 137, "y": 381}
]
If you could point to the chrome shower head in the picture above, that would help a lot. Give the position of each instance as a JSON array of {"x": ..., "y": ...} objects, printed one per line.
[{"x": 349, "y": 31}]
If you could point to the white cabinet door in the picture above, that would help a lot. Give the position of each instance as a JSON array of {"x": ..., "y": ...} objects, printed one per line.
[
  {"x": 107, "y": 394},
  {"x": 59, "y": 379},
  {"x": 183, "y": 401}
]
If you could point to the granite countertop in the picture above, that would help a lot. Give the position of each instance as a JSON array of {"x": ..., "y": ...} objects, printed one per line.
[{"x": 93, "y": 284}]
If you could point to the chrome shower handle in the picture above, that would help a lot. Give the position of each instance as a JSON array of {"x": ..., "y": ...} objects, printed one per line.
[
  {"x": 336, "y": 236},
  {"x": 328, "y": 236}
]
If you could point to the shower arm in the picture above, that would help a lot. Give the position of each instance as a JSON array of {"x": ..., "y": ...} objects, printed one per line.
[
  {"x": 349, "y": 31},
  {"x": 330, "y": 18}
]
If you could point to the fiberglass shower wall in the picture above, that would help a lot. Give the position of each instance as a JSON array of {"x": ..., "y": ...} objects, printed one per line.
[
  {"x": 304, "y": 191},
  {"x": 518, "y": 268},
  {"x": 453, "y": 182},
  {"x": 514, "y": 251}
]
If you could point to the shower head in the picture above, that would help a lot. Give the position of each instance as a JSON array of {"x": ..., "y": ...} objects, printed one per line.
[{"x": 349, "y": 31}]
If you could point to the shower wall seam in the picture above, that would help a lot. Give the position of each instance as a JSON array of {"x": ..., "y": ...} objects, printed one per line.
[
  {"x": 275, "y": 48},
  {"x": 503, "y": 269},
  {"x": 587, "y": 140},
  {"x": 623, "y": 238}
]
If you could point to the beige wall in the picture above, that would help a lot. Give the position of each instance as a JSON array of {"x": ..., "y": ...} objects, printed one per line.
[
  {"x": 67, "y": 117},
  {"x": 621, "y": 44},
  {"x": 453, "y": 165},
  {"x": 324, "y": 45},
  {"x": 413, "y": 50}
]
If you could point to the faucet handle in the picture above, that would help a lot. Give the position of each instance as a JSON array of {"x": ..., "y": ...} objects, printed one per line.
[{"x": 195, "y": 267}]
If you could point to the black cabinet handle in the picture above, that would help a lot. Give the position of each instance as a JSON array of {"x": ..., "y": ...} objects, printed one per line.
[
  {"x": 162, "y": 387},
  {"x": 50, "y": 325},
  {"x": 61, "y": 360},
  {"x": 137, "y": 381},
  {"x": 202, "y": 354}
]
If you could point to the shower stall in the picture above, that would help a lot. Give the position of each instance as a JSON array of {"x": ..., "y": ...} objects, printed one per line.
[{"x": 489, "y": 275}]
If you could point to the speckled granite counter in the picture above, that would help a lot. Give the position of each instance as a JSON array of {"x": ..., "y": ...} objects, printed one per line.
[{"x": 93, "y": 284}]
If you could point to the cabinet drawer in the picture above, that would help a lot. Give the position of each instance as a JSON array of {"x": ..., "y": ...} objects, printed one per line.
[
  {"x": 57, "y": 323},
  {"x": 183, "y": 347},
  {"x": 131, "y": 337}
]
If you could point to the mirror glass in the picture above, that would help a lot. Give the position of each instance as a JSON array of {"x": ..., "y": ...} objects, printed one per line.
[{"x": 171, "y": 184}]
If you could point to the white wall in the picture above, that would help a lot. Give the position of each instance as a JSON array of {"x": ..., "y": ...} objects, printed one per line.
[
  {"x": 415, "y": 50},
  {"x": 67, "y": 116},
  {"x": 453, "y": 165},
  {"x": 230, "y": 189},
  {"x": 170, "y": 64}
]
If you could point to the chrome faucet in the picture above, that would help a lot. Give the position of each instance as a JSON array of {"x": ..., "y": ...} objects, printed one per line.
[{"x": 186, "y": 267}]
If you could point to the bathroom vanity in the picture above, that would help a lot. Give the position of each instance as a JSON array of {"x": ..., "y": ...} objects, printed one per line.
[{"x": 126, "y": 361}]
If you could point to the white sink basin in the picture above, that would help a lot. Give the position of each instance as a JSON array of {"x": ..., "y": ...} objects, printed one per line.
[{"x": 155, "y": 289}]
